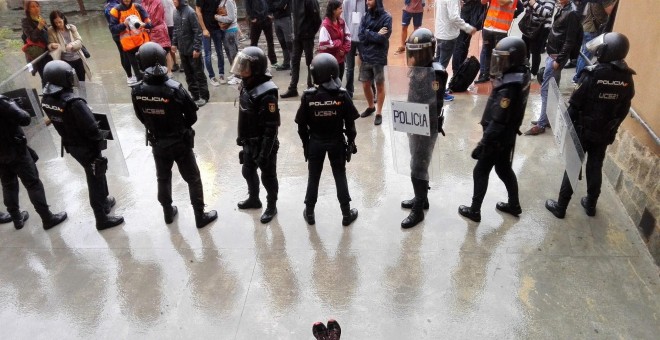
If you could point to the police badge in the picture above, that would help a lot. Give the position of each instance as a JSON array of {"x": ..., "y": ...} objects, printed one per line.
[
  {"x": 272, "y": 107},
  {"x": 436, "y": 85}
]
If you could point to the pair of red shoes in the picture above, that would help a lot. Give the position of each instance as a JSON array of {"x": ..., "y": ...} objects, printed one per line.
[{"x": 332, "y": 332}]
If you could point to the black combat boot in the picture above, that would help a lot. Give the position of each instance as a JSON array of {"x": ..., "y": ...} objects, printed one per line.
[
  {"x": 509, "y": 208},
  {"x": 556, "y": 208},
  {"x": 108, "y": 221},
  {"x": 420, "y": 202},
  {"x": 19, "y": 219},
  {"x": 5, "y": 217},
  {"x": 53, "y": 219},
  {"x": 203, "y": 218},
  {"x": 416, "y": 215},
  {"x": 589, "y": 205},
  {"x": 349, "y": 215},
  {"x": 169, "y": 212},
  {"x": 408, "y": 204},
  {"x": 470, "y": 213},
  {"x": 109, "y": 203},
  {"x": 252, "y": 202},
  {"x": 308, "y": 214},
  {"x": 269, "y": 213}
]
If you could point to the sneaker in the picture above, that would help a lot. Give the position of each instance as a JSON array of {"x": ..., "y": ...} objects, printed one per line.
[
  {"x": 368, "y": 112},
  {"x": 334, "y": 331},
  {"x": 175, "y": 67},
  {"x": 200, "y": 102},
  {"x": 131, "y": 80},
  {"x": 535, "y": 130},
  {"x": 378, "y": 120},
  {"x": 221, "y": 79},
  {"x": 290, "y": 93},
  {"x": 214, "y": 82},
  {"x": 482, "y": 79},
  {"x": 448, "y": 97},
  {"x": 319, "y": 331},
  {"x": 233, "y": 81},
  {"x": 282, "y": 67},
  {"x": 181, "y": 69},
  {"x": 243, "y": 38}
]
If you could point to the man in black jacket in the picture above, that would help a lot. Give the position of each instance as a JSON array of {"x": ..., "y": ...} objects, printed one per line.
[
  {"x": 472, "y": 12},
  {"x": 187, "y": 38},
  {"x": 562, "y": 40},
  {"x": 17, "y": 161},
  {"x": 281, "y": 10},
  {"x": 261, "y": 19},
  {"x": 306, "y": 23}
]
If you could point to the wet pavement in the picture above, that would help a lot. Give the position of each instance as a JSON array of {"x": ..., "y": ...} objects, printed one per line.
[{"x": 530, "y": 277}]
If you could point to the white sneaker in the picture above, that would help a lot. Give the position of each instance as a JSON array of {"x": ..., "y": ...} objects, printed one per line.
[
  {"x": 214, "y": 82},
  {"x": 221, "y": 79},
  {"x": 233, "y": 81},
  {"x": 131, "y": 80}
]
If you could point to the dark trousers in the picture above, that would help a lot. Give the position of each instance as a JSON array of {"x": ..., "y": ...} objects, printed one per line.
[
  {"x": 490, "y": 39},
  {"x": 536, "y": 47},
  {"x": 337, "y": 154},
  {"x": 23, "y": 167},
  {"x": 501, "y": 160},
  {"x": 132, "y": 59},
  {"x": 284, "y": 32},
  {"x": 268, "y": 175},
  {"x": 125, "y": 64},
  {"x": 461, "y": 48},
  {"x": 350, "y": 67},
  {"x": 185, "y": 161},
  {"x": 341, "y": 71},
  {"x": 97, "y": 185},
  {"x": 195, "y": 77},
  {"x": 594, "y": 171},
  {"x": 255, "y": 31},
  {"x": 300, "y": 45},
  {"x": 40, "y": 65}
]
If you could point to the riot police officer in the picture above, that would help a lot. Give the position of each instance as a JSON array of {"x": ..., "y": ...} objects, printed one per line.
[
  {"x": 597, "y": 107},
  {"x": 168, "y": 112},
  {"x": 501, "y": 120},
  {"x": 427, "y": 84},
  {"x": 81, "y": 136},
  {"x": 258, "y": 123},
  {"x": 326, "y": 112},
  {"x": 17, "y": 160}
]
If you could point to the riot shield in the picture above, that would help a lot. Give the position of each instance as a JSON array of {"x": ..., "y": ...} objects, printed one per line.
[
  {"x": 19, "y": 84},
  {"x": 566, "y": 137},
  {"x": 411, "y": 102},
  {"x": 96, "y": 98}
]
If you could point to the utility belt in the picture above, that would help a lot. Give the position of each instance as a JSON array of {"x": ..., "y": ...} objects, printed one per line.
[
  {"x": 186, "y": 136},
  {"x": 327, "y": 137}
]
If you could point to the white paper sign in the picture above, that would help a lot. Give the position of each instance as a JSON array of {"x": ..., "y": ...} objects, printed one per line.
[{"x": 411, "y": 118}]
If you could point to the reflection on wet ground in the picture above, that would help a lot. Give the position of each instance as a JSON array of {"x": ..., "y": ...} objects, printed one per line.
[{"x": 528, "y": 277}]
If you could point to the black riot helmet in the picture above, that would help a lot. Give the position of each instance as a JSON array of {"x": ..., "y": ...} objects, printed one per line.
[
  {"x": 420, "y": 46},
  {"x": 58, "y": 76},
  {"x": 508, "y": 54},
  {"x": 324, "y": 67},
  {"x": 609, "y": 47},
  {"x": 152, "y": 59},
  {"x": 250, "y": 62}
]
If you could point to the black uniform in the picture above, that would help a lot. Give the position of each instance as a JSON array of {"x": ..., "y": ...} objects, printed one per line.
[
  {"x": 501, "y": 120},
  {"x": 17, "y": 160},
  {"x": 83, "y": 139},
  {"x": 258, "y": 122},
  {"x": 168, "y": 112},
  {"x": 323, "y": 118},
  {"x": 597, "y": 107}
]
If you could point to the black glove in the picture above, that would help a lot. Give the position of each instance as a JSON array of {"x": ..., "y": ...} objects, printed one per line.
[
  {"x": 441, "y": 121},
  {"x": 240, "y": 141},
  {"x": 478, "y": 152},
  {"x": 351, "y": 149}
]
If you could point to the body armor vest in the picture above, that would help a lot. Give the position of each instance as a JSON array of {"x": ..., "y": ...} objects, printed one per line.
[{"x": 250, "y": 125}]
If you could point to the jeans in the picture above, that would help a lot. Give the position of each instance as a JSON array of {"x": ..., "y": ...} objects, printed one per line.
[
  {"x": 184, "y": 157},
  {"x": 284, "y": 32},
  {"x": 350, "y": 67},
  {"x": 548, "y": 75},
  {"x": 300, "y": 45},
  {"x": 230, "y": 42},
  {"x": 255, "y": 32},
  {"x": 443, "y": 51},
  {"x": 490, "y": 39},
  {"x": 216, "y": 36},
  {"x": 581, "y": 63},
  {"x": 337, "y": 155}
]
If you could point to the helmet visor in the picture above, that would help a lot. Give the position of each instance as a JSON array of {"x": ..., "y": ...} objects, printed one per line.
[
  {"x": 499, "y": 63},
  {"x": 420, "y": 54},
  {"x": 242, "y": 67},
  {"x": 596, "y": 44}
]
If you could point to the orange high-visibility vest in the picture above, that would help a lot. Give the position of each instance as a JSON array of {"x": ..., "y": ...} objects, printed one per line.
[
  {"x": 500, "y": 17},
  {"x": 130, "y": 38}
]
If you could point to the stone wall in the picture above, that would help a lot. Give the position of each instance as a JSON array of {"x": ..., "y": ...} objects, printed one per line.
[{"x": 632, "y": 166}]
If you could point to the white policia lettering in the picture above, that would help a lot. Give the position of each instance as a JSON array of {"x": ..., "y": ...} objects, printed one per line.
[
  {"x": 152, "y": 99},
  {"x": 411, "y": 118},
  {"x": 325, "y": 103},
  {"x": 52, "y": 107},
  {"x": 612, "y": 82}
]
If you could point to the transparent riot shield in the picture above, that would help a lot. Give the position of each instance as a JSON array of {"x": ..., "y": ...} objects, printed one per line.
[
  {"x": 96, "y": 98},
  {"x": 18, "y": 83},
  {"x": 566, "y": 136},
  {"x": 413, "y": 119}
]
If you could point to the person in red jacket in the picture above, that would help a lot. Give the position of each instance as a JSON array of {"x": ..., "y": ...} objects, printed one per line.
[{"x": 334, "y": 36}]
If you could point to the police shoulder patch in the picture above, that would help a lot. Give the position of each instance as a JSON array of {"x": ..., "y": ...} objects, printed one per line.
[
  {"x": 504, "y": 103},
  {"x": 272, "y": 107},
  {"x": 436, "y": 85}
]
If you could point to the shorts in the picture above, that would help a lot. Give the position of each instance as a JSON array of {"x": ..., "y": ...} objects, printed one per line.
[
  {"x": 372, "y": 72},
  {"x": 170, "y": 31},
  {"x": 416, "y": 18}
]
